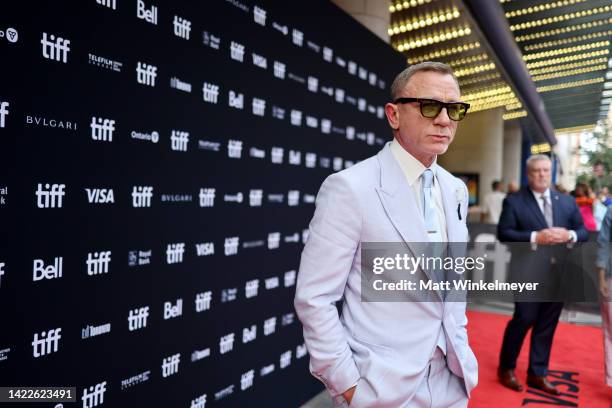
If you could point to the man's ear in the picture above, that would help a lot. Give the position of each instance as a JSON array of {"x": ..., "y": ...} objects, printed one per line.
[{"x": 392, "y": 115}]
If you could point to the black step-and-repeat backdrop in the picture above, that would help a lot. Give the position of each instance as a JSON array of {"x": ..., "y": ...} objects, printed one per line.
[{"x": 159, "y": 166}]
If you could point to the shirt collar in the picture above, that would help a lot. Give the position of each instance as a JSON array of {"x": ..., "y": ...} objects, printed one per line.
[
  {"x": 411, "y": 167},
  {"x": 538, "y": 196}
]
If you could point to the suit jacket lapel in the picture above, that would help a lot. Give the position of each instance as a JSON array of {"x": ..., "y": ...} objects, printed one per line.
[
  {"x": 532, "y": 204},
  {"x": 400, "y": 204},
  {"x": 449, "y": 199}
]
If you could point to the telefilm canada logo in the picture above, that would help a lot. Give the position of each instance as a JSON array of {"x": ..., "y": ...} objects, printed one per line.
[{"x": 10, "y": 34}]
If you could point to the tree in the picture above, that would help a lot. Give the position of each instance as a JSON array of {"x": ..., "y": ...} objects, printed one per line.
[{"x": 599, "y": 159}]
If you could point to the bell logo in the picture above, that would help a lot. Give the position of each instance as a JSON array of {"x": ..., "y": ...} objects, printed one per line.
[
  {"x": 182, "y": 27},
  {"x": 150, "y": 16},
  {"x": 50, "y": 196},
  {"x": 3, "y": 113},
  {"x": 94, "y": 396},
  {"x": 137, "y": 319},
  {"x": 47, "y": 343},
  {"x": 172, "y": 311},
  {"x": 141, "y": 196},
  {"x": 55, "y": 48},
  {"x": 41, "y": 272}
]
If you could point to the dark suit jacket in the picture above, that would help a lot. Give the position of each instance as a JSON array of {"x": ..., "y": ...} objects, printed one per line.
[{"x": 521, "y": 215}]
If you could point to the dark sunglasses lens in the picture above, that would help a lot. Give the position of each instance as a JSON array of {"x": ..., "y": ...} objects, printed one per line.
[
  {"x": 456, "y": 111},
  {"x": 430, "y": 109}
]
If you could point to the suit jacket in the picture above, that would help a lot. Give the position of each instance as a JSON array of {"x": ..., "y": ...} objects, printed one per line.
[
  {"x": 383, "y": 347},
  {"x": 604, "y": 260},
  {"x": 521, "y": 215}
]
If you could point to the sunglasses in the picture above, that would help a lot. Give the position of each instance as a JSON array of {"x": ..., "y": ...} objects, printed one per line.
[{"x": 430, "y": 108}]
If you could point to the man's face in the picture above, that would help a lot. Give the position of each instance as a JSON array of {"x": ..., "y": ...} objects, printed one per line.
[
  {"x": 423, "y": 137},
  {"x": 539, "y": 175}
]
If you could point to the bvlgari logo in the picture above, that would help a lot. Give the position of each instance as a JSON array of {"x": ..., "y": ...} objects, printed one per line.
[{"x": 33, "y": 120}]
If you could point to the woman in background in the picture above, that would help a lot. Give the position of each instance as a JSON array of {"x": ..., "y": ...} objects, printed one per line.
[{"x": 584, "y": 200}]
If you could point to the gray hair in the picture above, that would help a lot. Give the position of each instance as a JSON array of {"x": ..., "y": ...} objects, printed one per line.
[
  {"x": 401, "y": 80},
  {"x": 535, "y": 158}
]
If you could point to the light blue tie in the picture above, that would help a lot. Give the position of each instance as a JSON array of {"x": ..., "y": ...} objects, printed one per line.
[{"x": 432, "y": 224}]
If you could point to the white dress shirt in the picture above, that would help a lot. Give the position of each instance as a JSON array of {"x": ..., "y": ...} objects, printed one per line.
[{"x": 413, "y": 169}]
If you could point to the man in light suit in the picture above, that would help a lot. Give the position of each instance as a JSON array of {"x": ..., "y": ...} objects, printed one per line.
[
  {"x": 542, "y": 216},
  {"x": 390, "y": 354}
]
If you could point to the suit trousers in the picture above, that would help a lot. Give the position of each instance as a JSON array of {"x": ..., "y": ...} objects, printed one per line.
[
  {"x": 543, "y": 318},
  {"x": 606, "y": 325}
]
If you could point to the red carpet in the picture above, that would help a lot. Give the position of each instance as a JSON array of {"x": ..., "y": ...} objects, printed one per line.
[{"x": 576, "y": 364}]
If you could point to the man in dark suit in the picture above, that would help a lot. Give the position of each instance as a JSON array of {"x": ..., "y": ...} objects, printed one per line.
[{"x": 541, "y": 216}]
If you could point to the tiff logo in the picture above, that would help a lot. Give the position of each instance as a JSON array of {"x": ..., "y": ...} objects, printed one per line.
[
  {"x": 172, "y": 311},
  {"x": 255, "y": 198},
  {"x": 259, "y": 107},
  {"x": 55, "y": 48},
  {"x": 94, "y": 396},
  {"x": 150, "y": 16},
  {"x": 141, "y": 196},
  {"x": 110, "y": 4},
  {"x": 170, "y": 365},
  {"x": 234, "y": 149},
  {"x": 297, "y": 37},
  {"x": 237, "y": 51},
  {"x": 231, "y": 245},
  {"x": 179, "y": 140},
  {"x": 246, "y": 380},
  {"x": 3, "y": 113},
  {"x": 199, "y": 402},
  {"x": 146, "y": 74},
  {"x": 100, "y": 195},
  {"x": 202, "y": 301},
  {"x": 277, "y": 154},
  {"x": 210, "y": 92},
  {"x": 98, "y": 262},
  {"x": 207, "y": 197},
  {"x": 251, "y": 288},
  {"x": 182, "y": 27},
  {"x": 47, "y": 343},
  {"x": 273, "y": 240},
  {"x": 51, "y": 196},
  {"x": 2, "y": 265},
  {"x": 40, "y": 272},
  {"x": 285, "y": 359},
  {"x": 226, "y": 343},
  {"x": 174, "y": 253},
  {"x": 279, "y": 70},
  {"x": 269, "y": 326},
  {"x": 102, "y": 129},
  {"x": 137, "y": 319}
]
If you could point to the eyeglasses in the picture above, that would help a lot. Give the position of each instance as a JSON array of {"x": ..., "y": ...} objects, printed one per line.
[{"x": 430, "y": 108}]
